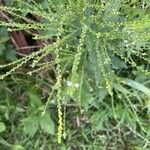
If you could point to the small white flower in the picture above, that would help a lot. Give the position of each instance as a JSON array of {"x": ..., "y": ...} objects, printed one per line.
[
  {"x": 67, "y": 46},
  {"x": 69, "y": 83},
  {"x": 82, "y": 111},
  {"x": 135, "y": 106},
  {"x": 76, "y": 85},
  {"x": 119, "y": 97},
  {"x": 125, "y": 41},
  {"x": 91, "y": 90}
]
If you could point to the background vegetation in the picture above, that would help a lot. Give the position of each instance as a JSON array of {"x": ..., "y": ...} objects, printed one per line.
[{"x": 75, "y": 72}]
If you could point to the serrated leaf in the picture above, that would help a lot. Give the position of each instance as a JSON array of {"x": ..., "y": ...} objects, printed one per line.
[
  {"x": 30, "y": 125},
  {"x": 47, "y": 124}
]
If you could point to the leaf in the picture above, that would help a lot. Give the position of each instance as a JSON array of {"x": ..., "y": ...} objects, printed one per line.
[
  {"x": 120, "y": 88},
  {"x": 31, "y": 125},
  {"x": 137, "y": 85},
  {"x": 47, "y": 124},
  {"x": 83, "y": 94},
  {"x": 2, "y": 48},
  {"x": 99, "y": 118},
  {"x": 10, "y": 54},
  {"x": 2, "y": 127},
  {"x": 3, "y": 35},
  {"x": 17, "y": 147},
  {"x": 34, "y": 100},
  {"x": 142, "y": 26},
  {"x": 4, "y": 142},
  {"x": 19, "y": 110},
  {"x": 88, "y": 11},
  {"x": 117, "y": 63}
]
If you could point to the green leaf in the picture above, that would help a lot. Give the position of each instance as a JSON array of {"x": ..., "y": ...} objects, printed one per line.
[
  {"x": 3, "y": 35},
  {"x": 30, "y": 125},
  {"x": 34, "y": 100},
  {"x": 117, "y": 63},
  {"x": 142, "y": 26},
  {"x": 47, "y": 124},
  {"x": 19, "y": 110},
  {"x": 83, "y": 94},
  {"x": 10, "y": 54},
  {"x": 17, "y": 147},
  {"x": 4, "y": 142},
  {"x": 99, "y": 118},
  {"x": 2, "y": 48},
  {"x": 2, "y": 127},
  {"x": 137, "y": 85}
]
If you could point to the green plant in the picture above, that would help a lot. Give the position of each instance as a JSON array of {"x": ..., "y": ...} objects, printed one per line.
[
  {"x": 94, "y": 43},
  {"x": 6, "y": 51}
]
